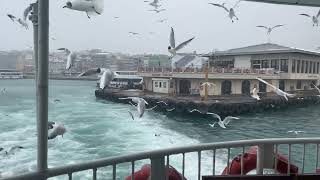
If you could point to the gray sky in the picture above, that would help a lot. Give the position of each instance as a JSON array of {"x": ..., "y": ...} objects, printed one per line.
[{"x": 210, "y": 25}]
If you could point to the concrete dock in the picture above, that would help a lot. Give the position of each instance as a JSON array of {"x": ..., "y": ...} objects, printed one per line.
[{"x": 222, "y": 105}]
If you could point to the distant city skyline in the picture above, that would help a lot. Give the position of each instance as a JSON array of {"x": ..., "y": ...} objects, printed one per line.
[{"x": 210, "y": 25}]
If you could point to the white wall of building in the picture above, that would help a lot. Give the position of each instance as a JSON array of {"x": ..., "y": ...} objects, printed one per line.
[{"x": 242, "y": 61}]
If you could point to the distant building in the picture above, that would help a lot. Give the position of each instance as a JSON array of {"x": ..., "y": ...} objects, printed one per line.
[{"x": 235, "y": 71}]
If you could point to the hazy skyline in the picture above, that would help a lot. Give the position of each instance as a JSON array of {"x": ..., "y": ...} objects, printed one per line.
[{"x": 210, "y": 25}]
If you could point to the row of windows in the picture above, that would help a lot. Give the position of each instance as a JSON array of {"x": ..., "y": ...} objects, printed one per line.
[
  {"x": 301, "y": 66},
  {"x": 160, "y": 84},
  {"x": 277, "y": 64}
]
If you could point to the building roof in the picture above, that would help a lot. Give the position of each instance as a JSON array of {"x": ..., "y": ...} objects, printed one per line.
[{"x": 267, "y": 48}]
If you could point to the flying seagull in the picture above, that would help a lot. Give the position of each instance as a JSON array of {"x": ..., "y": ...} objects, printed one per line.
[
  {"x": 26, "y": 12},
  {"x": 133, "y": 33},
  {"x": 23, "y": 23},
  {"x": 57, "y": 130},
  {"x": 255, "y": 94},
  {"x": 209, "y": 84},
  {"x": 295, "y": 132},
  {"x": 221, "y": 123},
  {"x": 12, "y": 150},
  {"x": 91, "y": 7},
  {"x": 106, "y": 78},
  {"x": 315, "y": 19},
  {"x": 269, "y": 29},
  {"x": 141, "y": 104},
  {"x": 172, "y": 47},
  {"x": 162, "y": 20},
  {"x": 155, "y": 4},
  {"x": 71, "y": 57},
  {"x": 230, "y": 11},
  {"x": 277, "y": 90}
]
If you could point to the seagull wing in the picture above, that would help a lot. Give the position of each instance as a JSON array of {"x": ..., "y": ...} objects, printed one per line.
[
  {"x": 305, "y": 15},
  {"x": 267, "y": 83},
  {"x": 220, "y": 5},
  {"x": 316, "y": 88},
  {"x": 141, "y": 99},
  {"x": 131, "y": 115},
  {"x": 172, "y": 39},
  {"x": 89, "y": 72},
  {"x": 279, "y": 25},
  {"x": 183, "y": 44},
  {"x": 65, "y": 50},
  {"x": 263, "y": 27},
  {"x": 193, "y": 110},
  {"x": 214, "y": 115},
  {"x": 227, "y": 120},
  {"x": 26, "y": 12},
  {"x": 237, "y": 3}
]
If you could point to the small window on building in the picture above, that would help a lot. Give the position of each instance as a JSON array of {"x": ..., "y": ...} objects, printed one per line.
[
  {"x": 156, "y": 84},
  {"x": 265, "y": 64},
  {"x": 275, "y": 64},
  {"x": 284, "y": 65},
  {"x": 160, "y": 84},
  {"x": 314, "y": 68},
  {"x": 307, "y": 67},
  {"x": 298, "y": 66},
  {"x": 294, "y": 66},
  {"x": 302, "y": 66},
  {"x": 298, "y": 84},
  {"x": 164, "y": 84},
  {"x": 317, "y": 67},
  {"x": 171, "y": 84},
  {"x": 310, "y": 67}
]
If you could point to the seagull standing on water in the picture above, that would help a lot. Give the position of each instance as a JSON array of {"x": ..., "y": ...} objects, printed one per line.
[
  {"x": 230, "y": 11},
  {"x": 71, "y": 57},
  {"x": 315, "y": 19},
  {"x": 255, "y": 94},
  {"x": 172, "y": 48},
  {"x": 269, "y": 29},
  {"x": 141, "y": 105},
  {"x": 91, "y": 7},
  {"x": 277, "y": 90},
  {"x": 221, "y": 123},
  {"x": 58, "y": 129},
  {"x": 106, "y": 78}
]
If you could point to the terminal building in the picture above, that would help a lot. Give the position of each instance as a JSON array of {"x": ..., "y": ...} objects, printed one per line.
[{"x": 234, "y": 71}]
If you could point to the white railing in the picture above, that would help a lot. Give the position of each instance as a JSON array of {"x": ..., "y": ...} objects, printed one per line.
[{"x": 160, "y": 159}]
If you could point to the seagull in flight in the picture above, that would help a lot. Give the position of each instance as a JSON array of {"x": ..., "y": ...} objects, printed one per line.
[
  {"x": 277, "y": 90},
  {"x": 221, "y": 123},
  {"x": 269, "y": 29},
  {"x": 155, "y": 4},
  {"x": 133, "y": 33},
  {"x": 255, "y": 94},
  {"x": 209, "y": 84},
  {"x": 141, "y": 105},
  {"x": 106, "y": 78},
  {"x": 71, "y": 57},
  {"x": 91, "y": 7},
  {"x": 230, "y": 11},
  {"x": 57, "y": 130},
  {"x": 173, "y": 48},
  {"x": 295, "y": 132},
  {"x": 12, "y": 150},
  {"x": 315, "y": 19}
]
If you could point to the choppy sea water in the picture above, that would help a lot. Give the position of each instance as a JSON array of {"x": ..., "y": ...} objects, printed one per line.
[{"x": 99, "y": 129}]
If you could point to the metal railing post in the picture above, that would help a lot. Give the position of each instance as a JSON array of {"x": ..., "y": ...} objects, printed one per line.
[
  {"x": 158, "y": 169},
  {"x": 42, "y": 87},
  {"x": 260, "y": 159}
]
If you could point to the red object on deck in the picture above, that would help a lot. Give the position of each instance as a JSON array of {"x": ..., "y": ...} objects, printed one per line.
[
  {"x": 144, "y": 173},
  {"x": 250, "y": 163}
]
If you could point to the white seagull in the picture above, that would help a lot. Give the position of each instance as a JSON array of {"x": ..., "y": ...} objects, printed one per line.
[
  {"x": 71, "y": 57},
  {"x": 106, "y": 78},
  {"x": 277, "y": 90},
  {"x": 173, "y": 48},
  {"x": 209, "y": 84},
  {"x": 23, "y": 23},
  {"x": 155, "y": 4},
  {"x": 12, "y": 150},
  {"x": 315, "y": 19},
  {"x": 269, "y": 29},
  {"x": 255, "y": 94},
  {"x": 141, "y": 104},
  {"x": 133, "y": 33},
  {"x": 91, "y": 7},
  {"x": 162, "y": 20},
  {"x": 295, "y": 132},
  {"x": 231, "y": 12},
  {"x": 221, "y": 123},
  {"x": 58, "y": 129}
]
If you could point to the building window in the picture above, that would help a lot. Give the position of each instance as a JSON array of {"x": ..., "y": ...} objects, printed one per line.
[
  {"x": 256, "y": 64},
  {"x": 307, "y": 67},
  {"x": 275, "y": 64},
  {"x": 317, "y": 67},
  {"x": 171, "y": 84},
  {"x": 298, "y": 66},
  {"x": 294, "y": 66},
  {"x": 310, "y": 67},
  {"x": 160, "y": 84},
  {"x": 265, "y": 64},
  {"x": 298, "y": 84},
  {"x": 314, "y": 68},
  {"x": 164, "y": 84},
  {"x": 302, "y": 66},
  {"x": 284, "y": 65},
  {"x": 156, "y": 84}
]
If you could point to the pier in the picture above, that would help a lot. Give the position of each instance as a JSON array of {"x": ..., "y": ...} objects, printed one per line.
[{"x": 222, "y": 105}]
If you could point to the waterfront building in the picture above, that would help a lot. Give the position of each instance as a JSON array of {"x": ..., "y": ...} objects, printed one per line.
[{"x": 234, "y": 71}]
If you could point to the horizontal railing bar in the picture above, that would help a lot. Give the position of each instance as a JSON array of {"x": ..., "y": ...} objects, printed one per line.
[{"x": 62, "y": 170}]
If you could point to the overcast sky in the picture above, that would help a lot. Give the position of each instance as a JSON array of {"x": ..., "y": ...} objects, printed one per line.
[{"x": 210, "y": 25}]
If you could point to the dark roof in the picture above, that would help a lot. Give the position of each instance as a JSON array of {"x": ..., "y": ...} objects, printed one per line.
[{"x": 267, "y": 48}]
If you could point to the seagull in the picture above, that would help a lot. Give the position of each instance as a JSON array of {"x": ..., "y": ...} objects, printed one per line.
[
  {"x": 255, "y": 94},
  {"x": 91, "y": 7},
  {"x": 131, "y": 115},
  {"x": 26, "y": 12},
  {"x": 231, "y": 12},
  {"x": 106, "y": 78},
  {"x": 13, "y": 149},
  {"x": 269, "y": 29},
  {"x": 162, "y": 102},
  {"x": 169, "y": 110},
  {"x": 277, "y": 90},
  {"x": 212, "y": 125},
  {"x": 23, "y": 23},
  {"x": 71, "y": 57},
  {"x": 195, "y": 110},
  {"x": 51, "y": 124},
  {"x": 155, "y": 4},
  {"x": 58, "y": 129},
  {"x": 172, "y": 48},
  {"x": 157, "y": 10},
  {"x": 162, "y": 20},
  {"x": 141, "y": 104},
  {"x": 225, "y": 121},
  {"x": 207, "y": 84},
  {"x": 116, "y": 17},
  {"x": 295, "y": 132},
  {"x": 133, "y": 33},
  {"x": 12, "y": 17},
  {"x": 315, "y": 19}
]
